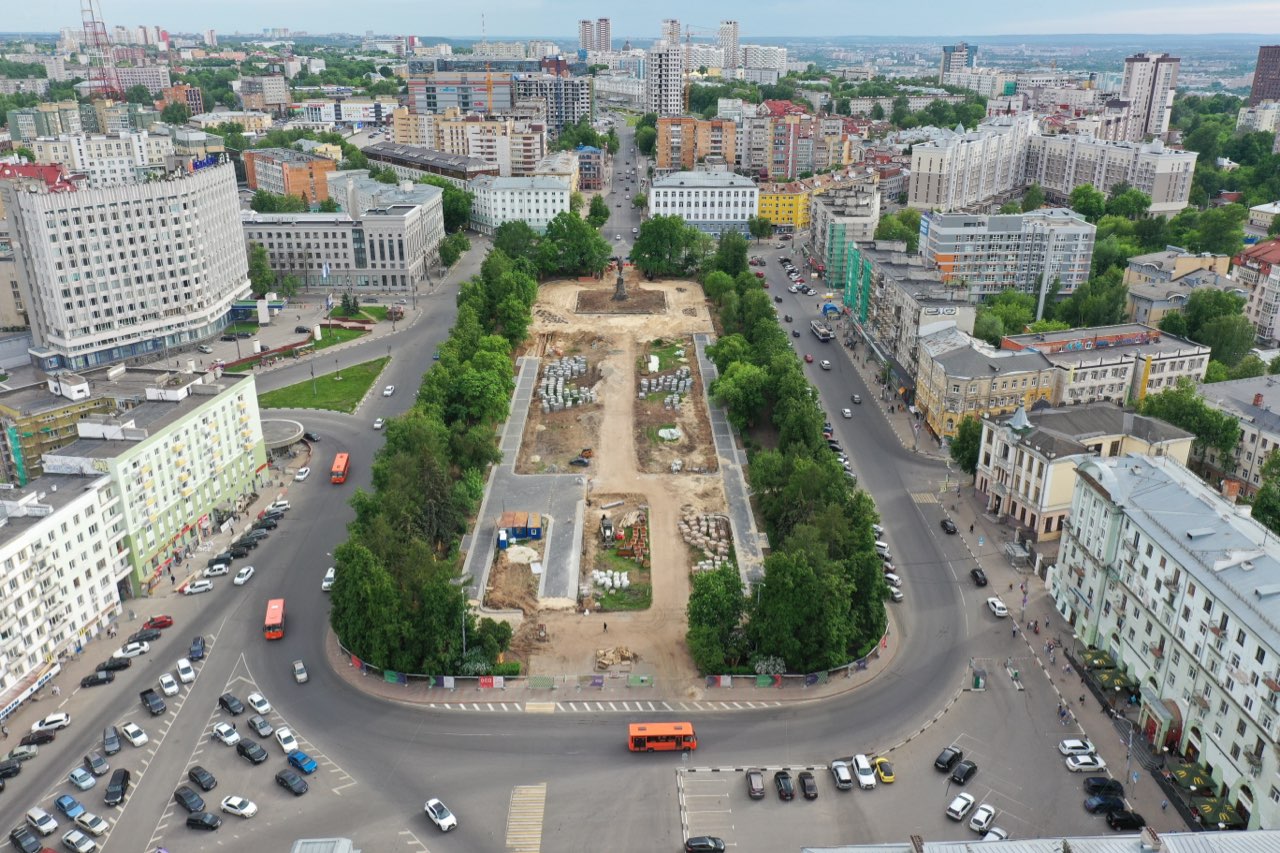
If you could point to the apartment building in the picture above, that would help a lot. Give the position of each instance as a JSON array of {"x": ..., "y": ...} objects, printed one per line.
[
  {"x": 53, "y": 119},
  {"x": 963, "y": 171},
  {"x": 591, "y": 167},
  {"x": 727, "y": 41},
  {"x": 664, "y": 67},
  {"x": 621, "y": 87},
  {"x": 40, "y": 418},
  {"x": 267, "y": 93},
  {"x": 1266, "y": 75},
  {"x": 1027, "y": 462},
  {"x": 1149, "y": 84},
  {"x": 1257, "y": 271},
  {"x": 1161, "y": 282},
  {"x": 13, "y": 311},
  {"x": 1028, "y": 252},
  {"x": 1061, "y": 163},
  {"x": 190, "y": 97},
  {"x": 534, "y": 200},
  {"x": 355, "y": 192},
  {"x": 514, "y": 145},
  {"x": 44, "y": 178},
  {"x": 125, "y": 271},
  {"x": 1178, "y": 588},
  {"x": 684, "y": 142},
  {"x": 284, "y": 171},
  {"x": 761, "y": 57},
  {"x": 183, "y": 454},
  {"x": 978, "y": 381},
  {"x": 467, "y": 91},
  {"x": 154, "y": 77},
  {"x": 560, "y": 166},
  {"x": 25, "y": 86},
  {"x": 987, "y": 82},
  {"x": 383, "y": 248},
  {"x": 842, "y": 217},
  {"x": 713, "y": 202},
  {"x": 346, "y": 111},
  {"x": 957, "y": 57},
  {"x": 1254, "y": 403},
  {"x": 595, "y": 35},
  {"x": 754, "y": 143},
  {"x": 415, "y": 161},
  {"x": 104, "y": 116},
  {"x": 1113, "y": 363},
  {"x": 569, "y": 100},
  {"x": 788, "y": 205},
  {"x": 792, "y": 146},
  {"x": 1264, "y": 117},
  {"x": 252, "y": 121},
  {"x": 108, "y": 160}
]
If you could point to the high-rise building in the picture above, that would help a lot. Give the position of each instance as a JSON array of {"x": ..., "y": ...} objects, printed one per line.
[
  {"x": 727, "y": 41},
  {"x": 671, "y": 30},
  {"x": 960, "y": 171},
  {"x": 957, "y": 57},
  {"x": 107, "y": 160},
  {"x": 586, "y": 34},
  {"x": 684, "y": 141},
  {"x": 283, "y": 171},
  {"x": 268, "y": 93},
  {"x": 665, "y": 82},
  {"x": 145, "y": 267},
  {"x": 1148, "y": 86},
  {"x": 1266, "y": 76},
  {"x": 568, "y": 99},
  {"x": 1061, "y": 163},
  {"x": 604, "y": 35}
]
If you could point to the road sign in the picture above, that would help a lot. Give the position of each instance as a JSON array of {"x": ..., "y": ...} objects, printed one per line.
[{"x": 982, "y": 540}]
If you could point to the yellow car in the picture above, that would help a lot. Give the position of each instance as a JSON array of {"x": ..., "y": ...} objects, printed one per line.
[{"x": 884, "y": 770}]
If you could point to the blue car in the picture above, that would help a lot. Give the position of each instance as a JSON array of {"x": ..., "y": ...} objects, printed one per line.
[
  {"x": 197, "y": 649},
  {"x": 69, "y": 806},
  {"x": 301, "y": 761}
]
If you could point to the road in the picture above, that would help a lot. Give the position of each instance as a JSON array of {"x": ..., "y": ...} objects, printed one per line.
[
  {"x": 379, "y": 761},
  {"x": 624, "y": 217}
]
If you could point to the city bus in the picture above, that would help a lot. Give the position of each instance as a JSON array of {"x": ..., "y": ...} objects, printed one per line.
[
  {"x": 341, "y": 467},
  {"x": 273, "y": 625},
  {"x": 648, "y": 737}
]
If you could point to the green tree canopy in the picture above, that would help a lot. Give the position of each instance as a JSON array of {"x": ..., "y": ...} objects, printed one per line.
[
  {"x": 517, "y": 239},
  {"x": 261, "y": 277},
  {"x": 646, "y": 140},
  {"x": 598, "y": 213},
  {"x": 1033, "y": 198},
  {"x": 571, "y": 247},
  {"x": 175, "y": 113},
  {"x": 456, "y": 201},
  {"x": 1088, "y": 202},
  {"x": 966, "y": 444},
  {"x": 1183, "y": 407}
]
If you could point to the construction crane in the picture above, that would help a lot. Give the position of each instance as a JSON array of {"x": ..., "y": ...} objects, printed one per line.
[
  {"x": 102, "y": 61},
  {"x": 689, "y": 30},
  {"x": 488, "y": 69}
]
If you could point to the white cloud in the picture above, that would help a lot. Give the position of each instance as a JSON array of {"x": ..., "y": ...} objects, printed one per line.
[{"x": 1198, "y": 19}]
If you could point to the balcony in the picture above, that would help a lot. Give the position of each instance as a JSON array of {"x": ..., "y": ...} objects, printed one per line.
[
  {"x": 1201, "y": 701},
  {"x": 1157, "y": 652}
]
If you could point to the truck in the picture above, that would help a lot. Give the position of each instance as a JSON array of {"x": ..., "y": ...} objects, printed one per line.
[{"x": 152, "y": 702}]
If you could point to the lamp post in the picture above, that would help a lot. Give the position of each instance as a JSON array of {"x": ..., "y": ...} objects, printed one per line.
[
  {"x": 338, "y": 378},
  {"x": 313, "y": 379}
]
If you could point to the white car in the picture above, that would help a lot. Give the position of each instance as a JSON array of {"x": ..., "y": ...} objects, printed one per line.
[
  {"x": 440, "y": 815},
  {"x": 863, "y": 771},
  {"x": 197, "y": 587},
  {"x": 300, "y": 672},
  {"x": 896, "y": 594},
  {"x": 327, "y": 583},
  {"x": 132, "y": 650},
  {"x": 242, "y": 576},
  {"x": 134, "y": 734},
  {"x": 258, "y": 702},
  {"x": 52, "y": 723},
  {"x": 303, "y": 473},
  {"x": 892, "y": 580},
  {"x": 840, "y": 773},
  {"x": 92, "y": 824},
  {"x": 848, "y": 413},
  {"x": 1076, "y": 746},
  {"x": 377, "y": 424},
  {"x": 286, "y": 739},
  {"x": 186, "y": 672},
  {"x": 997, "y": 607},
  {"x": 77, "y": 842},
  {"x": 824, "y": 364},
  {"x": 226, "y": 733},
  {"x": 983, "y": 816},
  {"x": 995, "y": 833},
  {"x": 217, "y": 570},
  {"x": 388, "y": 391},
  {"x": 168, "y": 686},
  {"x": 1085, "y": 763},
  {"x": 279, "y": 506},
  {"x": 960, "y": 806},
  {"x": 239, "y": 806},
  {"x": 617, "y": 236}
]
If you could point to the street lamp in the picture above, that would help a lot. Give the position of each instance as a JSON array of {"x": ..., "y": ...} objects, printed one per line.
[
  {"x": 313, "y": 379},
  {"x": 339, "y": 371}
]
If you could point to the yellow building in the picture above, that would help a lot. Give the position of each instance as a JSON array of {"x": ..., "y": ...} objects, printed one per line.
[
  {"x": 788, "y": 203},
  {"x": 973, "y": 382}
]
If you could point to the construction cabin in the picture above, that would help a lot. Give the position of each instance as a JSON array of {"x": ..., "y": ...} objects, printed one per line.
[{"x": 515, "y": 526}]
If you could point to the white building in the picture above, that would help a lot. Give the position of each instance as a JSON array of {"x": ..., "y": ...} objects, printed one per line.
[
  {"x": 988, "y": 82},
  {"x": 967, "y": 169},
  {"x": 107, "y": 160},
  {"x": 664, "y": 64},
  {"x": 727, "y": 41},
  {"x": 120, "y": 272},
  {"x": 760, "y": 56},
  {"x": 714, "y": 202},
  {"x": 1149, "y": 86},
  {"x": 536, "y": 201},
  {"x": 698, "y": 55},
  {"x": 1061, "y": 163},
  {"x": 1179, "y": 587},
  {"x": 154, "y": 77},
  {"x": 1265, "y": 117},
  {"x": 618, "y": 87},
  {"x": 346, "y": 111}
]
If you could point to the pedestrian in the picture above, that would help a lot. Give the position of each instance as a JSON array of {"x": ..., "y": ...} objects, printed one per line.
[
  {"x": 971, "y": 530},
  {"x": 1013, "y": 632},
  {"x": 5, "y": 729},
  {"x": 57, "y": 691},
  {"x": 1082, "y": 695},
  {"x": 606, "y": 627},
  {"x": 1010, "y": 586},
  {"x": 1164, "y": 804},
  {"x": 173, "y": 581}
]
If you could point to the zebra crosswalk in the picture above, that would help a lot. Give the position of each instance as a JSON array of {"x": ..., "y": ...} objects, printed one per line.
[
  {"x": 924, "y": 497},
  {"x": 524, "y": 818},
  {"x": 601, "y": 706}
]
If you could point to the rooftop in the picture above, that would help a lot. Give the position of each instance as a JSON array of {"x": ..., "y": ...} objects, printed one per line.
[
  {"x": 25, "y": 507},
  {"x": 1257, "y": 841},
  {"x": 1066, "y": 431},
  {"x": 421, "y": 154},
  {"x": 1266, "y": 252},
  {"x": 287, "y": 155},
  {"x": 531, "y": 183},
  {"x": 703, "y": 179},
  {"x": 1248, "y": 399},
  {"x": 1271, "y": 208},
  {"x": 1068, "y": 347},
  {"x": 970, "y": 362},
  {"x": 125, "y": 385}
]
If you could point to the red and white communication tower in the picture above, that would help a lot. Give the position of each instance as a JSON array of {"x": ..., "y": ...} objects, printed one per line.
[{"x": 102, "y": 61}]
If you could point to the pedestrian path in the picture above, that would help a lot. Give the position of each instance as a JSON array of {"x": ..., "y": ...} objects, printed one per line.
[
  {"x": 524, "y": 818},
  {"x": 924, "y": 497},
  {"x": 600, "y": 707}
]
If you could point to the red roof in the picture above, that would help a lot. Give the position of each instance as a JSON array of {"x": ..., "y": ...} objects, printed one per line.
[
  {"x": 1266, "y": 252},
  {"x": 782, "y": 108},
  {"x": 51, "y": 173}
]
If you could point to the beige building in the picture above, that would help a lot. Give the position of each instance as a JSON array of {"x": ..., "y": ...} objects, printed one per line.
[
  {"x": 108, "y": 160},
  {"x": 514, "y": 145},
  {"x": 561, "y": 166},
  {"x": 978, "y": 381},
  {"x": 1148, "y": 86},
  {"x": 1261, "y": 216},
  {"x": 1161, "y": 282},
  {"x": 1061, "y": 163},
  {"x": 684, "y": 142},
  {"x": 963, "y": 171},
  {"x": 1251, "y": 402},
  {"x": 252, "y": 121},
  {"x": 1027, "y": 463}
]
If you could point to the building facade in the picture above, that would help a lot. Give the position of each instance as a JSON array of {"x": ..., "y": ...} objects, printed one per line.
[
  {"x": 1149, "y": 84},
  {"x": 120, "y": 272},
  {"x": 154, "y": 77},
  {"x": 1249, "y": 401},
  {"x": 284, "y": 171},
  {"x": 108, "y": 160},
  {"x": 1266, "y": 75},
  {"x": 535, "y": 201},
  {"x": 713, "y": 202},
  {"x": 977, "y": 382},
  {"x": 569, "y": 100},
  {"x": 727, "y": 41},
  {"x": 664, "y": 68},
  {"x": 1257, "y": 270},
  {"x": 414, "y": 161},
  {"x": 1262, "y": 117},
  {"x": 1061, "y": 163},
  {"x": 684, "y": 142},
  {"x": 963, "y": 171},
  {"x": 1028, "y": 252},
  {"x": 842, "y": 217},
  {"x": 268, "y": 93},
  {"x": 1179, "y": 589},
  {"x": 957, "y": 57},
  {"x": 1161, "y": 282}
]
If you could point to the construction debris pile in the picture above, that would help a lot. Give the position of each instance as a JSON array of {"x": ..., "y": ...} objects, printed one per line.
[
  {"x": 708, "y": 533},
  {"x": 610, "y": 579},
  {"x": 615, "y": 656},
  {"x": 673, "y": 385},
  {"x": 558, "y": 390}
]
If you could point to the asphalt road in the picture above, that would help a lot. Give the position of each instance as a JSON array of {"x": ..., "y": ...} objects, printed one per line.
[{"x": 621, "y": 191}]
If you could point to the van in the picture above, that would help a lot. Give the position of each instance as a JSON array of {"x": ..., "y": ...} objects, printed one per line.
[
  {"x": 327, "y": 583},
  {"x": 892, "y": 580},
  {"x": 882, "y": 548}
]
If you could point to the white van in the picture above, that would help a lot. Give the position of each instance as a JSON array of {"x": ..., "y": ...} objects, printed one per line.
[
  {"x": 280, "y": 505},
  {"x": 327, "y": 583},
  {"x": 893, "y": 580},
  {"x": 882, "y": 548}
]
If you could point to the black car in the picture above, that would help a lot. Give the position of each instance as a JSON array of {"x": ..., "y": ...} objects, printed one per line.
[
  {"x": 146, "y": 635},
  {"x": 244, "y": 335},
  {"x": 948, "y": 758},
  {"x": 1104, "y": 803},
  {"x": 302, "y": 330},
  {"x": 238, "y": 551},
  {"x": 37, "y": 739},
  {"x": 203, "y": 820},
  {"x": 225, "y": 558},
  {"x": 245, "y": 544},
  {"x": 782, "y": 781},
  {"x": 227, "y": 338},
  {"x": 704, "y": 844},
  {"x": 1094, "y": 785},
  {"x": 203, "y": 778},
  {"x": 230, "y": 704},
  {"x": 9, "y": 769},
  {"x": 98, "y": 678},
  {"x": 116, "y": 664},
  {"x": 963, "y": 772},
  {"x": 251, "y": 751},
  {"x": 979, "y": 577},
  {"x": 260, "y": 529},
  {"x": 188, "y": 799},
  {"x": 96, "y": 764},
  {"x": 311, "y": 436},
  {"x": 25, "y": 840},
  {"x": 117, "y": 788},
  {"x": 266, "y": 524},
  {"x": 1125, "y": 819},
  {"x": 949, "y": 527},
  {"x": 197, "y": 649},
  {"x": 808, "y": 785},
  {"x": 110, "y": 740},
  {"x": 292, "y": 782}
]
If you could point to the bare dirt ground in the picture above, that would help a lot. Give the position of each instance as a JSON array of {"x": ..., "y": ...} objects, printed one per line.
[
  {"x": 551, "y": 439},
  {"x": 512, "y": 583},
  {"x": 656, "y": 634},
  {"x": 694, "y": 451}
]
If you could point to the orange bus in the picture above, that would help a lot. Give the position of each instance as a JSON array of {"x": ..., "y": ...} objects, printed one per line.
[
  {"x": 341, "y": 467},
  {"x": 648, "y": 737},
  {"x": 273, "y": 625}
]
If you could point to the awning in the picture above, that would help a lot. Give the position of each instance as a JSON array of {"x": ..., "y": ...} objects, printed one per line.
[
  {"x": 1112, "y": 679},
  {"x": 1216, "y": 811},
  {"x": 1193, "y": 778},
  {"x": 1097, "y": 659}
]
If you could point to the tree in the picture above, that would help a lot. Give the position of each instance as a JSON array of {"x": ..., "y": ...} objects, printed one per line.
[
  {"x": 329, "y": 205},
  {"x": 1220, "y": 230},
  {"x": 988, "y": 327},
  {"x": 717, "y": 284},
  {"x": 175, "y": 113},
  {"x": 261, "y": 277},
  {"x": 1175, "y": 323},
  {"x": 1129, "y": 203},
  {"x": 1033, "y": 198},
  {"x": 647, "y": 120},
  {"x": 744, "y": 392},
  {"x": 731, "y": 253},
  {"x": 576, "y": 201},
  {"x": 138, "y": 94},
  {"x": 1011, "y": 207},
  {"x": 1229, "y": 337},
  {"x": 572, "y": 247},
  {"x": 1015, "y": 309},
  {"x": 453, "y": 247},
  {"x": 665, "y": 247},
  {"x": 639, "y": 200},
  {"x": 646, "y": 140},
  {"x": 903, "y": 225},
  {"x": 1249, "y": 367},
  {"x": 517, "y": 239},
  {"x": 966, "y": 444},
  {"x": 598, "y": 214},
  {"x": 365, "y": 607},
  {"x": 456, "y": 202},
  {"x": 715, "y": 610},
  {"x": 1099, "y": 301},
  {"x": 289, "y": 286},
  {"x": 1266, "y": 503},
  {"x": 760, "y": 227},
  {"x": 1183, "y": 407},
  {"x": 1087, "y": 201},
  {"x": 877, "y": 112},
  {"x": 25, "y": 153}
]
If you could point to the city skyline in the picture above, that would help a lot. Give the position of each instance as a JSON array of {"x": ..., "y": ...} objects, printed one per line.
[{"x": 558, "y": 18}]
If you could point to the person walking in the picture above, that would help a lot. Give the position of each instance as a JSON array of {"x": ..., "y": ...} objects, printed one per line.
[
  {"x": 5, "y": 730},
  {"x": 606, "y": 627},
  {"x": 970, "y": 528},
  {"x": 1164, "y": 804}
]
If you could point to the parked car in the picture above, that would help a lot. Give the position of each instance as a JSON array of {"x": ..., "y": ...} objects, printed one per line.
[
  {"x": 841, "y": 774},
  {"x": 197, "y": 649},
  {"x": 963, "y": 771},
  {"x": 226, "y": 733},
  {"x": 1085, "y": 763},
  {"x": 755, "y": 784},
  {"x": 284, "y": 737},
  {"x": 96, "y": 764},
  {"x": 39, "y": 738},
  {"x": 948, "y": 758},
  {"x": 1125, "y": 820},
  {"x": 782, "y": 782},
  {"x": 251, "y": 751},
  {"x": 9, "y": 769},
  {"x": 864, "y": 772},
  {"x": 168, "y": 686},
  {"x": 110, "y": 740},
  {"x": 326, "y": 583},
  {"x": 302, "y": 762},
  {"x": 22, "y": 752},
  {"x": 203, "y": 820},
  {"x": 1103, "y": 785},
  {"x": 260, "y": 726},
  {"x": 884, "y": 770},
  {"x": 239, "y": 806},
  {"x": 92, "y": 824},
  {"x": 198, "y": 586},
  {"x": 960, "y": 806},
  {"x": 808, "y": 785},
  {"x": 146, "y": 635},
  {"x": 132, "y": 650},
  {"x": 1076, "y": 746},
  {"x": 216, "y": 571},
  {"x": 133, "y": 733},
  {"x": 291, "y": 782},
  {"x": 983, "y": 817},
  {"x": 98, "y": 678},
  {"x": 82, "y": 779},
  {"x": 997, "y": 607},
  {"x": 159, "y": 622},
  {"x": 203, "y": 778},
  {"x": 117, "y": 788},
  {"x": 188, "y": 799},
  {"x": 51, "y": 723},
  {"x": 1103, "y": 803},
  {"x": 69, "y": 806}
]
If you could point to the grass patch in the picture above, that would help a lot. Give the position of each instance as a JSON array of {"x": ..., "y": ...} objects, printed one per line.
[
  {"x": 333, "y": 337},
  {"x": 330, "y": 392},
  {"x": 638, "y": 596},
  {"x": 234, "y": 328},
  {"x": 377, "y": 313},
  {"x": 666, "y": 353},
  {"x": 632, "y": 119}
]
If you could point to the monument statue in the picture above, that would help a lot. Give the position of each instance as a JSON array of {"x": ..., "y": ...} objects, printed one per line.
[{"x": 619, "y": 286}]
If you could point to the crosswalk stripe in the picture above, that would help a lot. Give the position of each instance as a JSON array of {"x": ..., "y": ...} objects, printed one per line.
[
  {"x": 540, "y": 707},
  {"x": 924, "y": 497},
  {"x": 524, "y": 818}
]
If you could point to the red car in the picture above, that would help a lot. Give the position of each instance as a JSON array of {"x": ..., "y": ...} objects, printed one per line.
[
  {"x": 808, "y": 359},
  {"x": 158, "y": 622},
  {"x": 759, "y": 275}
]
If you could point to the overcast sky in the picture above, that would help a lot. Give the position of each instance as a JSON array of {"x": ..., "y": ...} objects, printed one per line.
[{"x": 940, "y": 18}]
